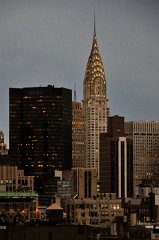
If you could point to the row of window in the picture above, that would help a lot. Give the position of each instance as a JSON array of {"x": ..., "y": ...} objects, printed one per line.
[{"x": 10, "y": 181}]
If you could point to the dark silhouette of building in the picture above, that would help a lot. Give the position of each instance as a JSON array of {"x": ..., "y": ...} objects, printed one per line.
[
  {"x": 116, "y": 159},
  {"x": 40, "y": 128},
  {"x": 49, "y": 231}
]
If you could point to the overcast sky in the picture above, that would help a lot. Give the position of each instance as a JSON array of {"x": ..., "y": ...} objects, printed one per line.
[{"x": 46, "y": 42}]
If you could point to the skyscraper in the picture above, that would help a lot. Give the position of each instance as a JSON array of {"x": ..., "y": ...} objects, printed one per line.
[
  {"x": 95, "y": 106},
  {"x": 40, "y": 128},
  {"x": 145, "y": 136},
  {"x": 77, "y": 134},
  {"x": 116, "y": 159}
]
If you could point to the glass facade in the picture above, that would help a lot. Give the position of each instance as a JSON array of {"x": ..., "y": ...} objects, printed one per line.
[{"x": 40, "y": 127}]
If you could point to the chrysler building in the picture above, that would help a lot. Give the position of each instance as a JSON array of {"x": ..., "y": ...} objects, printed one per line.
[{"x": 95, "y": 105}]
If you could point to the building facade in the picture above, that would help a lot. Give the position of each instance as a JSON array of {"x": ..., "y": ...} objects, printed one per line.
[
  {"x": 18, "y": 201},
  {"x": 84, "y": 182},
  {"x": 116, "y": 159},
  {"x": 86, "y": 206},
  {"x": 18, "y": 207},
  {"x": 40, "y": 121},
  {"x": 77, "y": 134},
  {"x": 12, "y": 179},
  {"x": 145, "y": 136},
  {"x": 3, "y": 146},
  {"x": 95, "y": 105},
  {"x": 40, "y": 128},
  {"x": 100, "y": 211}
]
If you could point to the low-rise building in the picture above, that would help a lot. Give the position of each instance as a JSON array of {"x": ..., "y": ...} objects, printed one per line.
[
  {"x": 98, "y": 211},
  {"x": 18, "y": 206},
  {"x": 18, "y": 201},
  {"x": 13, "y": 179},
  {"x": 87, "y": 207}
]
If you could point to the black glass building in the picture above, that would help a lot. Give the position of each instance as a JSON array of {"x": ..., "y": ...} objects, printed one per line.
[{"x": 40, "y": 128}]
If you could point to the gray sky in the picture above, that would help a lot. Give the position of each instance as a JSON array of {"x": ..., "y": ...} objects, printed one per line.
[{"x": 48, "y": 42}]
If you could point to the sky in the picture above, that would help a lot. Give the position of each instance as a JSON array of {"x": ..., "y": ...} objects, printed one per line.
[{"x": 48, "y": 42}]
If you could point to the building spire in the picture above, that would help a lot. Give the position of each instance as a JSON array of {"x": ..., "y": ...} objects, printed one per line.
[
  {"x": 94, "y": 24},
  {"x": 94, "y": 72},
  {"x": 94, "y": 105}
]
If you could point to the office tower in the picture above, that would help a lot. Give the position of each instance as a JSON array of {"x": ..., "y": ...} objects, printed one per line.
[
  {"x": 84, "y": 182},
  {"x": 94, "y": 104},
  {"x": 77, "y": 134},
  {"x": 145, "y": 136},
  {"x": 40, "y": 128},
  {"x": 116, "y": 159}
]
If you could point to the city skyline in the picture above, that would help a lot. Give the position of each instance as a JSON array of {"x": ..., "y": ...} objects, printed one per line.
[{"x": 45, "y": 42}]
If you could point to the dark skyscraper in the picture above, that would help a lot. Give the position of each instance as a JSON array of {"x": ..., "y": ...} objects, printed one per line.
[
  {"x": 116, "y": 159},
  {"x": 40, "y": 129}
]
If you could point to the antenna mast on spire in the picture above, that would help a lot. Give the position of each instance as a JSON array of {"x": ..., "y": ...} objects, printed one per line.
[{"x": 94, "y": 24}]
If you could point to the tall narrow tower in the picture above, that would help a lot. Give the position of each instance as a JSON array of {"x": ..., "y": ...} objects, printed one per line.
[
  {"x": 95, "y": 106},
  {"x": 77, "y": 133}
]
